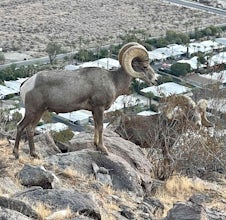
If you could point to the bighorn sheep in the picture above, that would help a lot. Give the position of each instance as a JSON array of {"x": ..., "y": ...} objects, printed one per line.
[
  {"x": 90, "y": 88},
  {"x": 179, "y": 113}
]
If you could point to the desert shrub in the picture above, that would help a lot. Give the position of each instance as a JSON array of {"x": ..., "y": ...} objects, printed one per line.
[
  {"x": 62, "y": 136},
  {"x": 198, "y": 153}
]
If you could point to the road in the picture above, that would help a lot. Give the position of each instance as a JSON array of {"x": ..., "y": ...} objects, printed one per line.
[
  {"x": 199, "y": 6},
  {"x": 44, "y": 60},
  {"x": 41, "y": 60}
]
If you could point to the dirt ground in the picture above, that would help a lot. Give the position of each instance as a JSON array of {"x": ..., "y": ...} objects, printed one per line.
[{"x": 27, "y": 26}]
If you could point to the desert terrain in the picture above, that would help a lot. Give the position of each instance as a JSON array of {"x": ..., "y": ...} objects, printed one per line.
[{"x": 28, "y": 25}]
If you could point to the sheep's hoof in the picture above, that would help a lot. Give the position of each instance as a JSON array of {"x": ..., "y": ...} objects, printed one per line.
[
  {"x": 103, "y": 150},
  {"x": 16, "y": 155},
  {"x": 35, "y": 155}
]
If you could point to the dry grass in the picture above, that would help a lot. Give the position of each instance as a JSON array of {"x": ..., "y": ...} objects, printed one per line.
[
  {"x": 42, "y": 210},
  {"x": 180, "y": 188},
  {"x": 177, "y": 188},
  {"x": 97, "y": 22}
]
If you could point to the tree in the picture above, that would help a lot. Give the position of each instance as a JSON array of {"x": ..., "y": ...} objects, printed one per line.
[
  {"x": 2, "y": 58},
  {"x": 180, "y": 69},
  {"x": 53, "y": 48}
]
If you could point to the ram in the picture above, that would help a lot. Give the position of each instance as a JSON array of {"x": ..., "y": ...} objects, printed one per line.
[
  {"x": 91, "y": 88},
  {"x": 179, "y": 113}
]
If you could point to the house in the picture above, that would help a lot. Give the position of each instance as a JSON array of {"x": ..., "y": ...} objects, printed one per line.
[
  {"x": 5, "y": 91},
  {"x": 58, "y": 126},
  {"x": 167, "y": 89},
  {"x": 125, "y": 101},
  {"x": 172, "y": 50},
  {"x": 193, "y": 62},
  {"x": 80, "y": 117},
  {"x": 106, "y": 63}
]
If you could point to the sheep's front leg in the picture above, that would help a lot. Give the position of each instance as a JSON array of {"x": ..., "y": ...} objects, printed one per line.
[{"x": 98, "y": 115}]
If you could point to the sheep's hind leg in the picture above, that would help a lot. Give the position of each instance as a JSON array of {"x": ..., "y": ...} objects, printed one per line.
[
  {"x": 98, "y": 115},
  {"x": 20, "y": 128}
]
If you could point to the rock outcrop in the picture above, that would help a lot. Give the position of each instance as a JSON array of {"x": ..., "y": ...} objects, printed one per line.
[{"x": 79, "y": 182}]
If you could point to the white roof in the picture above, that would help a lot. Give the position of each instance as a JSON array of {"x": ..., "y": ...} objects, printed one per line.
[
  {"x": 204, "y": 46},
  {"x": 128, "y": 101},
  {"x": 166, "y": 89},
  {"x": 193, "y": 62},
  {"x": 14, "y": 84},
  {"x": 221, "y": 41},
  {"x": 147, "y": 113},
  {"x": 175, "y": 49},
  {"x": 165, "y": 52},
  {"x": 52, "y": 127},
  {"x": 106, "y": 63},
  {"x": 71, "y": 67},
  {"x": 217, "y": 59},
  {"x": 79, "y": 115},
  {"x": 4, "y": 91}
]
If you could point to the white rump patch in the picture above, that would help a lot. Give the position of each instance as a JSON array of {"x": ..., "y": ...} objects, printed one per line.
[{"x": 27, "y": 86}]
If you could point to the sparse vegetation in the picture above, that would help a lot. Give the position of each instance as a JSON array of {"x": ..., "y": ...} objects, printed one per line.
[
  {"x": 194, "y": 155},
  {"x": 62, "y": 136}
]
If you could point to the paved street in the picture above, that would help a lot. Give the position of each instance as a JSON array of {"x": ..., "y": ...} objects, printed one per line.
[{"x": 199, "y": 6}]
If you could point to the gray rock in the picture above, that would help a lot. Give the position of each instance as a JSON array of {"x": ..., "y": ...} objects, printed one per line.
[
  {"x": 123, "y": 175},
  {"x": 19, "y": 206},
  {"x": 190, "y": 210},
  {"x": 127, "y": 212},
  {"x": 186, "y": 211},
  {"x": 8, "y": 214},
  {"x": 35, "y": 176},
  {"x": 199, "y": 199},
  {"x": 8, "y": 186},
  {"x": 44, "y": 145},
  {"x": 154, "y": 205},
  {"x": 102, "y": 174},
  {"x": 82, "y": 203},
  {"x": 129, "y": 151}
]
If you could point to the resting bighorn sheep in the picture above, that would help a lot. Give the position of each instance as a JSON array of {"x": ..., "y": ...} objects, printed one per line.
[
  {"x": 90, "y": 88},
  {"x": 179, "y": 113}
]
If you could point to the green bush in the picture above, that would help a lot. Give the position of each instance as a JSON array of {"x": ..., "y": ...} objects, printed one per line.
[
  {"x": 63, "y": 136},
  {"x": 180, "y": 69}
]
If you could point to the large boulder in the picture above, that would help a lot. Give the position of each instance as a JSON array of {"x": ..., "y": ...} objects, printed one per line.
[
  {"x": 123, "y": 175},
  {"x": 194, "y": 211},
  {"x": 82, "y": 203},
  {"x": 9, "y": 214},
  {"x": 129, "y": 151},
  {"x": 31, "y": 175},
  {"x": 19, "y": 206},
  {"x": 44, "y": 146}
]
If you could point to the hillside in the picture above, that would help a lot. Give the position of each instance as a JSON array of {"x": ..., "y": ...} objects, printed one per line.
[
  {"x": 66, "y": 186},
  {"x": 29, "y": 25}
]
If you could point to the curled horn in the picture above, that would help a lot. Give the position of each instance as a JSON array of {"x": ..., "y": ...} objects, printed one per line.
[
  {"x": 183, "y": 101},
  {"x": 123, "y": 49},
  {"x": 136, "y": 51}
]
